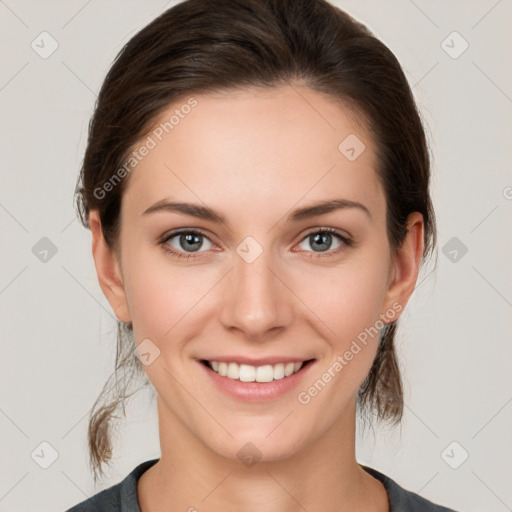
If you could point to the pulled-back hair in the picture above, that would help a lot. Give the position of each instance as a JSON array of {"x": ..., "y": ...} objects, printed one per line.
[{"x": 201, "y": 46}]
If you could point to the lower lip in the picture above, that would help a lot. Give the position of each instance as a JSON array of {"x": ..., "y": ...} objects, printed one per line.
[{"x": 257, "y": 391}]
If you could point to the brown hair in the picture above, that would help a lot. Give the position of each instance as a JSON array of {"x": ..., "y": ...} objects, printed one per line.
[{"x": 200, "y": 46}]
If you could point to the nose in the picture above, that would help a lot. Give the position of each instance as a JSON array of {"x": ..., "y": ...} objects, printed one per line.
[{"x": 256, "y": 299}]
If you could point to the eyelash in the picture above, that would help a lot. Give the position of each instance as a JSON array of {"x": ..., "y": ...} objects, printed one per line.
[{"x": 346, "y": 242}]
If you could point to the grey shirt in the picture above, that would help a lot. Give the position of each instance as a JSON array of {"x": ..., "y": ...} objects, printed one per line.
[{"x": 122, "y": 497}]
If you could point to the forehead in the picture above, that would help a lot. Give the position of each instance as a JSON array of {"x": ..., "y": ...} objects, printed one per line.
[{"x": 266, "y": 146}]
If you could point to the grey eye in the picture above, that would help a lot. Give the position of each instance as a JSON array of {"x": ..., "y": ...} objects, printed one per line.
[
  {"x": 188, "y": 241},
  {"x": 321, "y": 241}
]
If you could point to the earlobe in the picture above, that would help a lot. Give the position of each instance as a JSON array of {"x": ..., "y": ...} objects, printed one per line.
[
  {"x": 108, "y": 269},
  {"x": 406, "y": 264}
]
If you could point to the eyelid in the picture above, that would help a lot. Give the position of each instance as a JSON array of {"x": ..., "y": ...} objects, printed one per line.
[{"x": 325, "y": 229}]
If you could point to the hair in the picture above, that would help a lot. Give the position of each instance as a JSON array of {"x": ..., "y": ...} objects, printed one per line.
[{"x": 201, "y": 46}]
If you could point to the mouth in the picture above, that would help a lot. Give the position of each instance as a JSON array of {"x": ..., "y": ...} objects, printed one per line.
[
  {"x": 256, "y": 384},
  {"x": 256, "y": 374}
]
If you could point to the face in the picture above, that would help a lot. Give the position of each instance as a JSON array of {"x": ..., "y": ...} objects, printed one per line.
[{"x": 246, "y": 270}]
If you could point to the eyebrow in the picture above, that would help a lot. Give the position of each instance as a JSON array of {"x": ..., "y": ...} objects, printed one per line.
[{"x": 206, "y": 213}]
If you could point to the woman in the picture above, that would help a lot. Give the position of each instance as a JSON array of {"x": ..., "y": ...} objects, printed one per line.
[{"x": 256, "y": 182}]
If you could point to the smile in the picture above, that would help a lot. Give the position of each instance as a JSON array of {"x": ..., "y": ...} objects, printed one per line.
[{"x": 248, "y": 373}]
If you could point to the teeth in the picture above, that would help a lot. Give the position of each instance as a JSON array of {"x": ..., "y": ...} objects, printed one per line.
[{"x": 248, "y": 373}]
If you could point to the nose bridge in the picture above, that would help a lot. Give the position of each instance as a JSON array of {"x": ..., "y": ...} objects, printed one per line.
[{"x": 255, "y": 300}]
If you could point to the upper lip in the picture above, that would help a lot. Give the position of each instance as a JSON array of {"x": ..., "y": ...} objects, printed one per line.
[{"x": 259, "y": 361}]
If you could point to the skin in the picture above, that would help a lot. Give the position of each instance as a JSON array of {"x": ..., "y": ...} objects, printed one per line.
[{"x": 254, "y": 156}]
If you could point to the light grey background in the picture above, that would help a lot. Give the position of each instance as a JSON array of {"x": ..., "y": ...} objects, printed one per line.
[{"x": 58, "y": 336}]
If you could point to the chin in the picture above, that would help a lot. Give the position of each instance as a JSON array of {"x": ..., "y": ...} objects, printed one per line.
[{"x": 253, "y": 446}]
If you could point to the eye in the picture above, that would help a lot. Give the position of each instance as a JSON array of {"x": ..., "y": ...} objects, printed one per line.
[
  {"x": 184, "y": 243},
  {"x": 321, "y": 241}
]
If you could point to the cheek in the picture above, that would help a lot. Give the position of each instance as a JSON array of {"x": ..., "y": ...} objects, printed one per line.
[
  {"x": 165, "y": 298},
  {"x": 351, "y": 308},
  {"x": 350, "y": 305},
  {"x": 352, "y": 298},
  {"x": 161, "y": 293}
]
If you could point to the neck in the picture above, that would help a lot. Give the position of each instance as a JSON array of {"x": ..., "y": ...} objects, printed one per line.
[{"x": 324, "y": 476}]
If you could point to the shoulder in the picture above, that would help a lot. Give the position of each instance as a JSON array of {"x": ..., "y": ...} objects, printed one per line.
[
  {"x": 401, "y": 500},
  {"x": 121, "y": 497}
]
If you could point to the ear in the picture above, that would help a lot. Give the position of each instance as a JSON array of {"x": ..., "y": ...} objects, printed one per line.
[
  {"x": 406, "y": 265},
  {"x": 108, "y": 269}
]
